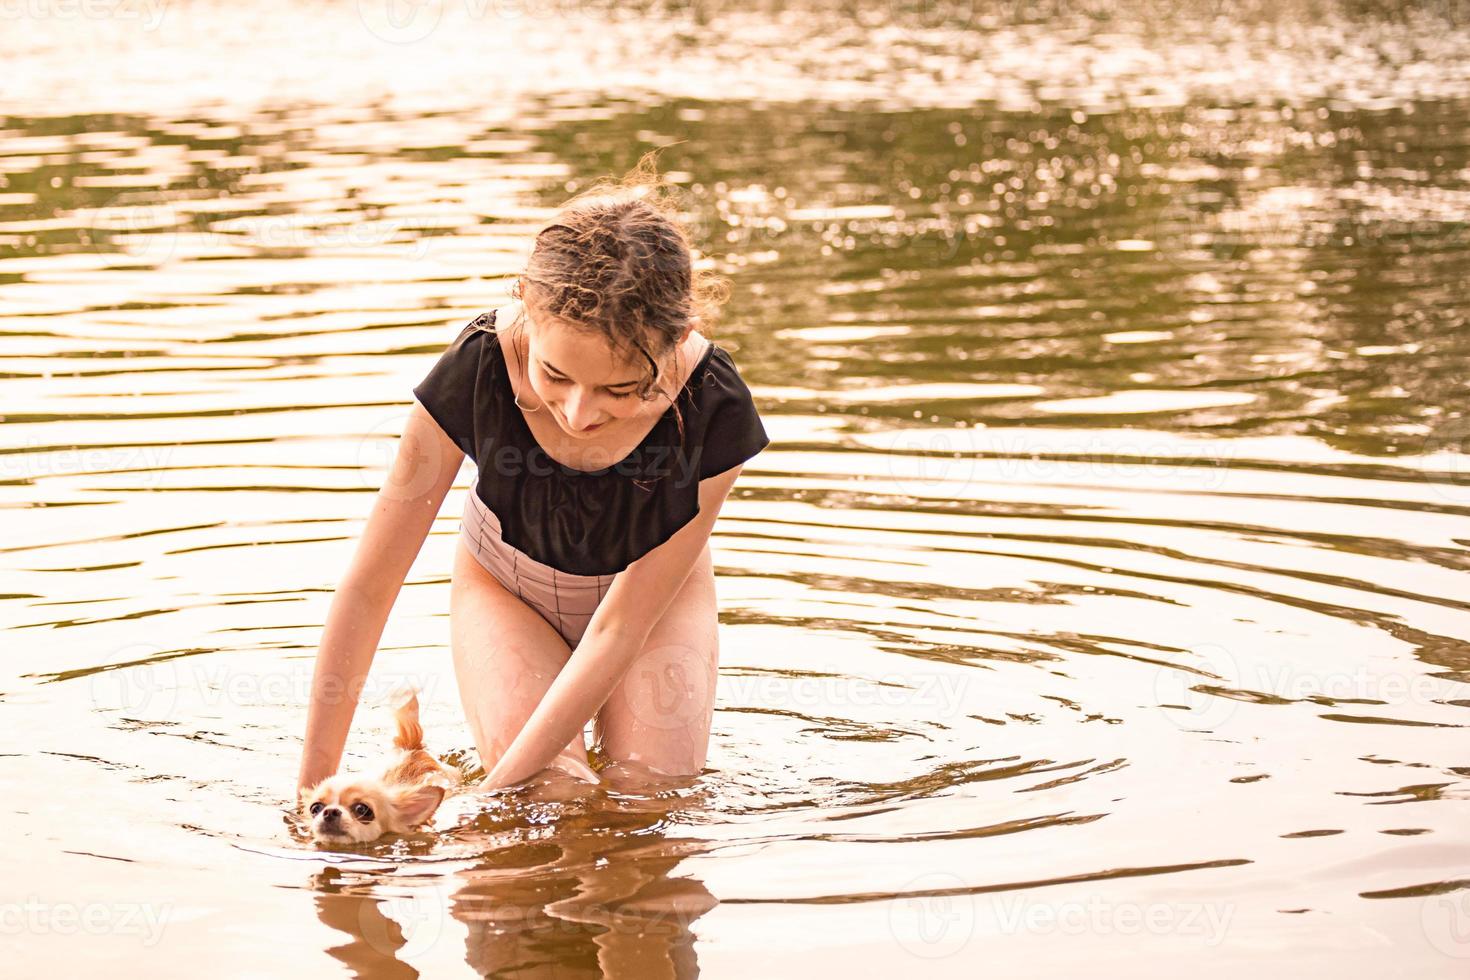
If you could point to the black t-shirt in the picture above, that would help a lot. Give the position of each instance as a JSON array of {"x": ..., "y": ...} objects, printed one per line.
[{"x": 588, "y": 522}]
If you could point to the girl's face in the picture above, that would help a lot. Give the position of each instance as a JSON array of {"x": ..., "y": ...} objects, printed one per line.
[{"x": 576, "y": 377}]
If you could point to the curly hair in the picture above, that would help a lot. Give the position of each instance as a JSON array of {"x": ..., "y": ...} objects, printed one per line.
[{"x": 617, "y": 262}]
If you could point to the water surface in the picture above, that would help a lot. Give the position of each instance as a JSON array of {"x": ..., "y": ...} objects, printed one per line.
[{"x": 1101, "y": 601}]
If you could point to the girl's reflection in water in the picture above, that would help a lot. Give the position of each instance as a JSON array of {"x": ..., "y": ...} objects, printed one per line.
[{"x": 570, "y": 882}]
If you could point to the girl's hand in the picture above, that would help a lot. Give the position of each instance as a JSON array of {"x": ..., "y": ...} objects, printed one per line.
[
  {"x": 575, "y": 767},
  {"x": 306, "y": 779}
]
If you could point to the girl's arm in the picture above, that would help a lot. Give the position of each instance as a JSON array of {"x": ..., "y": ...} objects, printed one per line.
[
  {"x": 634, "y": 604},
  {"x": 423, "y": 470}
]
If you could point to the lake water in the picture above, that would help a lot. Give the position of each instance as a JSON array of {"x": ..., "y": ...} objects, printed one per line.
[{"x": 1100, "y": 604}]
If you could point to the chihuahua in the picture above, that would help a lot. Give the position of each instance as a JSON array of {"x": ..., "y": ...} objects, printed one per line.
[{"x": 347, "y": 809}]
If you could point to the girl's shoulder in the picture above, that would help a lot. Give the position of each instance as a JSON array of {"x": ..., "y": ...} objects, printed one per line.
[
  {"x": 484, "y": 324},
  {"x": 463, "y": 384},
  {"x": 731, "y": 430},
  {"x": 479, "y": 342},
  {"x": 719, "y": 380}
]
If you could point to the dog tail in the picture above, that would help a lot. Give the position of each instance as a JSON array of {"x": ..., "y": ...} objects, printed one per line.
[{"x": 406, "y": 714}]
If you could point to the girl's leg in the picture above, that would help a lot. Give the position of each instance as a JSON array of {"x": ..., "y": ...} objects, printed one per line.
[
  {"x": 505, "y": 658},
  {"x": 659, "y": 715}
]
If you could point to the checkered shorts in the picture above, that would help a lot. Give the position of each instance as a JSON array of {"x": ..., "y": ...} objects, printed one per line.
[{"x": 564, "y": 600}]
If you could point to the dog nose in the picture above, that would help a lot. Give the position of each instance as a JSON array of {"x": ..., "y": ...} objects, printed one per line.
[{"x": 331, "y": 815}]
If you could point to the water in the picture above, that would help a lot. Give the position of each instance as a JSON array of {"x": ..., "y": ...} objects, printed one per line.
[{"x": 1102, "y": 594}]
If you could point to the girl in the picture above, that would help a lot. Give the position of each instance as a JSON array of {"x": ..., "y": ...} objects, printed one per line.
[{"x": 607, "y": 433}]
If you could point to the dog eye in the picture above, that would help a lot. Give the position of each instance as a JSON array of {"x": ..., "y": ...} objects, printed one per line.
[
  {"x": 316, "y": 808},
  {"x": 362, "y": 811}
]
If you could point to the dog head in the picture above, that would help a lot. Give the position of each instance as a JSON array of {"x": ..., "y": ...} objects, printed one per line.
[{"x": 347, "y": 809}]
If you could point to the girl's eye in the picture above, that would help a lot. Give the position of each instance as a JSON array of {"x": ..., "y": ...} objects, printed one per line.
[{"x": 562, "y": 381}]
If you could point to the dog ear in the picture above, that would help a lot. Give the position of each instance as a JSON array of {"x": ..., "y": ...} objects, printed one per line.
[{"x": 417, "y": 804}]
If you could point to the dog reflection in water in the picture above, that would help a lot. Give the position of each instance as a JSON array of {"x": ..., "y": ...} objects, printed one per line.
[{"x": 357, "y": 809}]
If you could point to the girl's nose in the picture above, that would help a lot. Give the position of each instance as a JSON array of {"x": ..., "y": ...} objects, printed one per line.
[{"x": 580, "y": 411}]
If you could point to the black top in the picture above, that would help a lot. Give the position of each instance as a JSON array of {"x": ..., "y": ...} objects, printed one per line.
[{"x": 588, "y": 522}]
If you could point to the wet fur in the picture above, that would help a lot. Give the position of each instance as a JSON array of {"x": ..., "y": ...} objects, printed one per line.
[{"x": 408, "y": 792}]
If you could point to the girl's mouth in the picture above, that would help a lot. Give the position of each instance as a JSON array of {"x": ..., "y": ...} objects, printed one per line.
[{"x": 582, "y": 431}]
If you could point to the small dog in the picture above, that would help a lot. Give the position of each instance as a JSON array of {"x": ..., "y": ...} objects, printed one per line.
[{"x": 347, "y": 809}]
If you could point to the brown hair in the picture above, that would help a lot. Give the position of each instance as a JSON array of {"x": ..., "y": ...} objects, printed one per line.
[{"x": 617, "y": 262}]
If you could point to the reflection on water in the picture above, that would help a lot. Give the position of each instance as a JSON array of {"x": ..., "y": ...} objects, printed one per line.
[{"x": 1105, "y": 581}]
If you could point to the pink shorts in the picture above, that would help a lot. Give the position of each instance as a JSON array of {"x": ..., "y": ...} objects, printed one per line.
[{"x": 564, "y": 600}]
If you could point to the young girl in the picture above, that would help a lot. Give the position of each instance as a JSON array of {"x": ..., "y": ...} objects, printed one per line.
[{"x": 607, "y": 433}]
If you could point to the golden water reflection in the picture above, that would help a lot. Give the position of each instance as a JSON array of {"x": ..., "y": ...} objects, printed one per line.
[{"x": 1101, "y": 598}]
